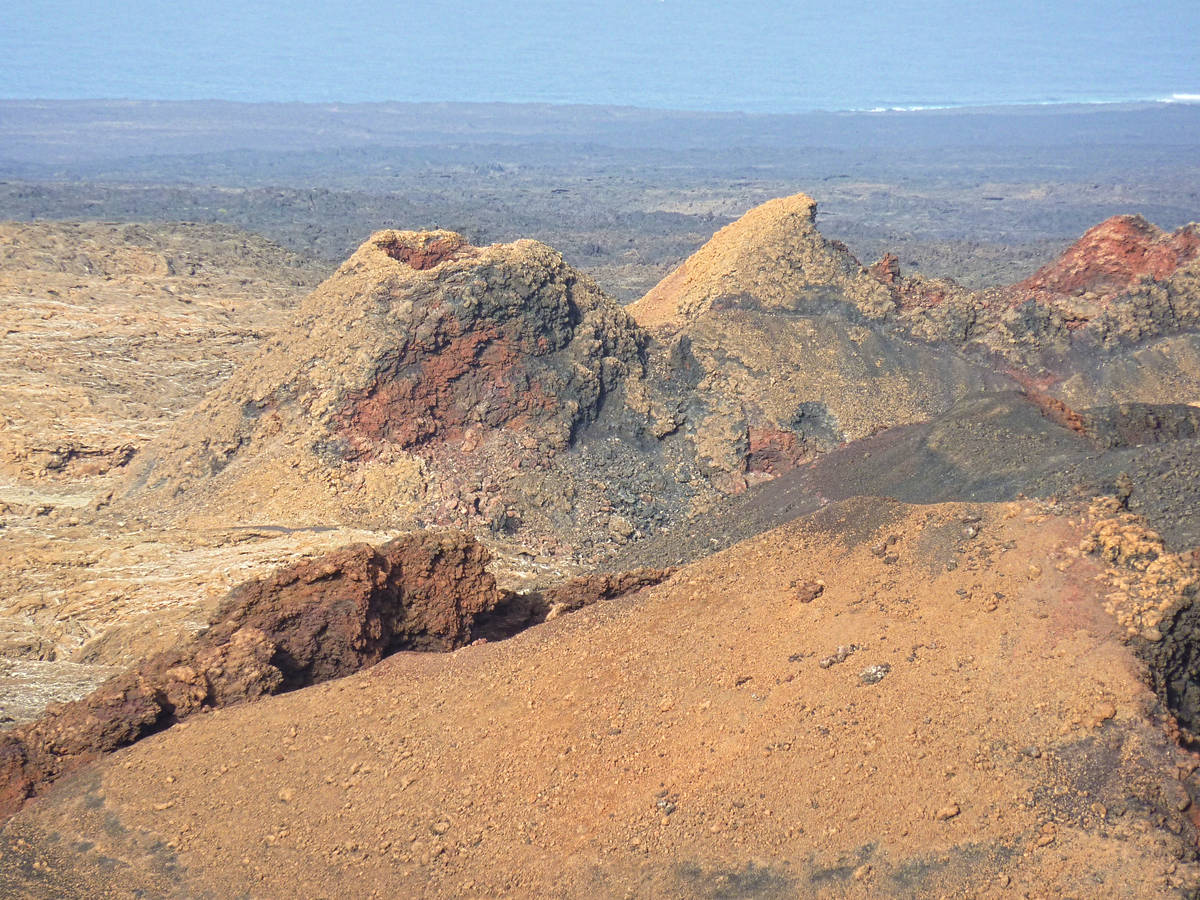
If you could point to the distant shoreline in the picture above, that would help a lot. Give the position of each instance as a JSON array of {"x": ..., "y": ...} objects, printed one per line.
[
  {"x": 39, "y": 137},
  {"x": 1175, "y": 99}
]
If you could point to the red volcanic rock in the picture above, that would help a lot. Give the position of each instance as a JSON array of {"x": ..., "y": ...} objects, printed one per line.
[
  {"x": 422, "y": 251},
  {"x": 907, "y": 293},
  {"x": 1114, "y": 255},
  {"x": 346, "y": 611},
  {"x": 773, "y": 451},
  {"x": 886, "y": 269},
  {"x": 308, "y": 623},
  {"x": 477, "y": 375},
  {"x": 585, "y": 590},
  {"x": 507, "y": 337}
]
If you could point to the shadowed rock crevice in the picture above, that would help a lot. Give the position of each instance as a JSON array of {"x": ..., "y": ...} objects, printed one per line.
[
  {"x": 518, "y": 611},
  {"x": 1158, "y": 605},
  {"x": 1174, "y": 661}
]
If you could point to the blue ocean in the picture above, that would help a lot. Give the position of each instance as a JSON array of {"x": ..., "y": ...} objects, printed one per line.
[{"x": 667, "y": 54}]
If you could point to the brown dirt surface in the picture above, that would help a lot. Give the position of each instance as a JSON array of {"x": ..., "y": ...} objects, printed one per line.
[
  {"x": 976, "y": 694},
  {"x": 957, "y": 715}
]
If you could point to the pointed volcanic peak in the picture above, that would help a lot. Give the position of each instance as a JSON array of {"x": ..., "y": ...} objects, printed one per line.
[
  {"x": 772, "y": 257},
  {"x": 1114, "y": 256},
  {"x": 419, "y": 349},
  {"x": 783, "y": 335}
]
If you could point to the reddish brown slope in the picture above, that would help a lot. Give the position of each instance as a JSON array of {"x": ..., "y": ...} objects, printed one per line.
[
  {"x": 1114, "y": 255},
  {"x": 954, "y": 714}
]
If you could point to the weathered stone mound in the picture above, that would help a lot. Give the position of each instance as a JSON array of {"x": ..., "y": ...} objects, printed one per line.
[
  {"x": 788, "y": 342},
  {"x": 422, "y": 362},
  {"x": 429, "y": 382},
  {"x": 521, "y": 341},
  {"x": 310, "y": 622}
]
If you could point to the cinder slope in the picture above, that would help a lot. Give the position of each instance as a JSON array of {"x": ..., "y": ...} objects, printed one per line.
[{"x": 952, "y": 712}]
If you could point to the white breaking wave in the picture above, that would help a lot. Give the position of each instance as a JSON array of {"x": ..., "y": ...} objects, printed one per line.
[{"x": 1126, "y": 101}]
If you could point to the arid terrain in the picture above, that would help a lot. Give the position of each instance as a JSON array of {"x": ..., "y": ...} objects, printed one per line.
[{"x": 731, "y": 562}]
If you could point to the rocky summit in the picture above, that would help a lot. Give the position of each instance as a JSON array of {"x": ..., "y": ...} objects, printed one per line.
[{"x": 450, "y": 575}]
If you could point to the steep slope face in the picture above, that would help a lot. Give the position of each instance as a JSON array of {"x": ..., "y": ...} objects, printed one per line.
[
  {"x": 425, "y": 379},
  {"x": 881, "y": 701},
  {"x": 774, "y": 257},
  {"x": 788, "y": 343}
]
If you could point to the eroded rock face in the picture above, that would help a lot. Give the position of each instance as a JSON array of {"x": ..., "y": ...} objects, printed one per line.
[
  {"x": 423, "y": 250},
  {"x": 308, "y": 623},
  {"x": 576, "y": 593},
  {"x": 522, "y": 342}
]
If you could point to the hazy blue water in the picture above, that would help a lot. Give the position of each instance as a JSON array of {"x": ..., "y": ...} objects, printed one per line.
[{"x": 687, "y": 54}]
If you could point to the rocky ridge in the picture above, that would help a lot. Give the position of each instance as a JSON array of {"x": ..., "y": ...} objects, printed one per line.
[
  {"x": 795, "y": 346},
  {"x": 431, "y": 382},
  {"x": 309, "y": 622},
  {"x": 305, "y": 624}
]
